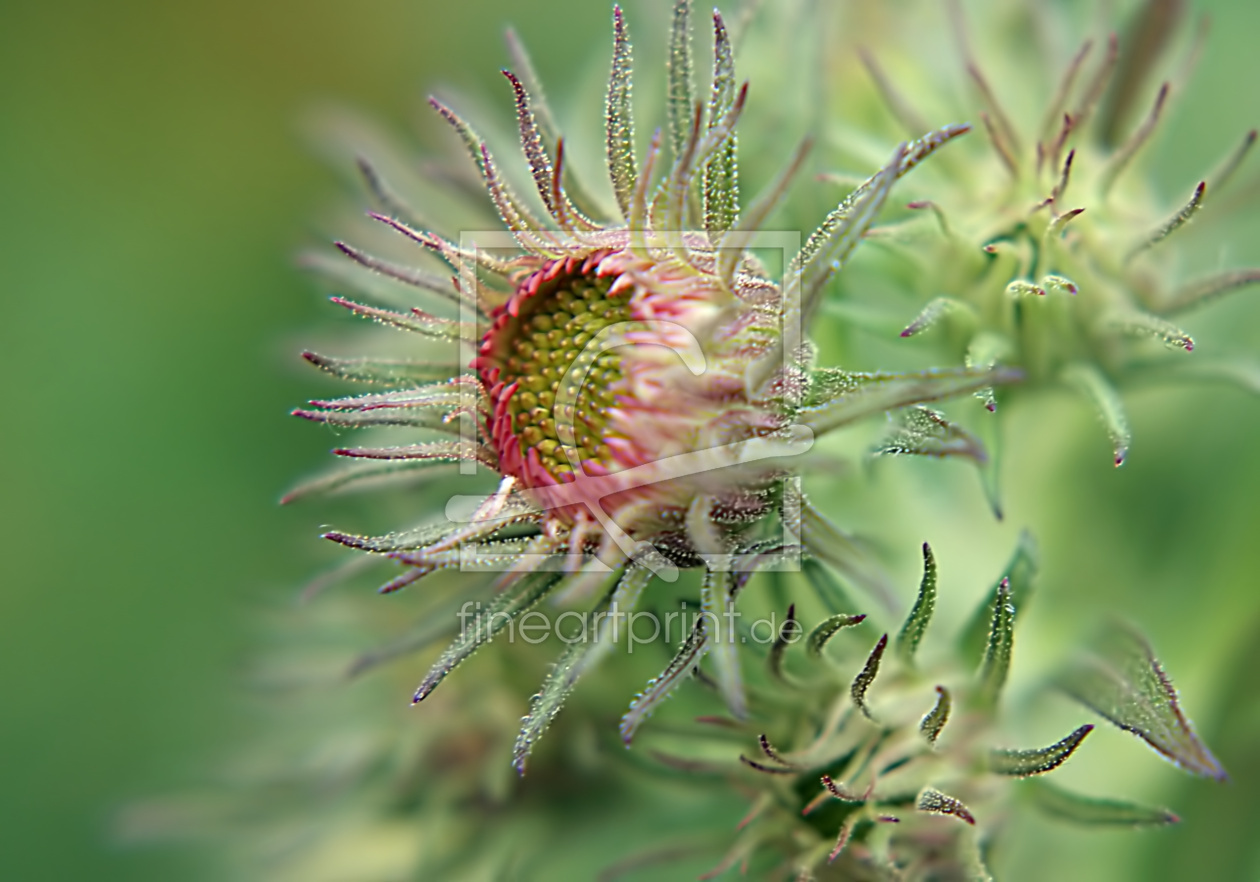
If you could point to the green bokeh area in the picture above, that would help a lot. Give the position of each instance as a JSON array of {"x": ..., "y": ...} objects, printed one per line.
[{"x": 155, "y": 185}]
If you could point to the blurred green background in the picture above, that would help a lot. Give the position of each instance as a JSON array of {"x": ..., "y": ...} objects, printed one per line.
[{"x": 154, "y": 187}]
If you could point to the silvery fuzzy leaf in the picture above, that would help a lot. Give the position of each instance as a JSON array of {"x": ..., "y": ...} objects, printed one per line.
[{"x": 1119, "y": 678}]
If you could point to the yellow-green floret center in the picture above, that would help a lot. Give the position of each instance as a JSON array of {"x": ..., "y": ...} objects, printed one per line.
[{"x": 544, "y": 340}]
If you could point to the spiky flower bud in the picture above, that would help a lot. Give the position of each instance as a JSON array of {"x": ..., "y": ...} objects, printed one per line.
[
  {"x": 1041, "y": 243},
  {"x": 642, "y": 390},
  {"x": 641, "y": 385}
]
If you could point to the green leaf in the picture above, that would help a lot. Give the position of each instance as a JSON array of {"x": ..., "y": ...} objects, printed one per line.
[
  {"x": 385, "y": 372},
  {"x": 578, "y": 657},
  {"x": 444, "y": 451},
  {"x": 371, "y": 475},
  {"x": 1120, "y": 679},
  {"x": 1142, "y": 324},
  {"x": 681, "y": 95},
  {"x": 829, "y": 628},
  {"x": 390, "y": 543},
  {"x": 1205, "y": 290},
  {"x": 830, "y": 245},
  {"x": 660, "y": 687},
  {"x": 1091, "y": 382},
  {"x": 516, "y": 217},
  {"x": 1038, "y": 761},
  {"x": 449, "y": 396},
  {"x": 1019, "y": 574},
  {"x": 840, "y": 398},
  {"x": 997, "y": 653},
  {"x": 366, "y": 419},
  {"x": 489, "y": 623},
  {"x": 790, "y": 629},
  {"x": 934, "y": 802},
  {"x": 866, "y": 676},
  {"x": 925, "y": 432},
  {"x": 1173, "y": 224},
  {"x": 532, "y": 145},
  {"x": 921, "y": 615},
  {"x": 717, "y": 608},
  {"x": 1092, "y": 811},
  {"x": 416, "y": 320},
  {"x": 932, "y": 724},
  {"x": 737, "y": 239},
  {"x": 721, "y": 174},
  {"x": 620, "y": 117},
  {"x": 407, "y": 275},
  {"x": 937, "y": 309}
]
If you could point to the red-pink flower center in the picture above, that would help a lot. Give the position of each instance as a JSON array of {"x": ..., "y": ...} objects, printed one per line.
[{"x": 529, "y": 350}]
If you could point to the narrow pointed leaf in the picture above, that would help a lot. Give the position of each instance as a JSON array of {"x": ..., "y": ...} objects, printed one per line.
[
  {"x": 620, "y": 117},
  {"x": 829, "y": 628},
  {"x": 500, "y": 613},
  {"x": 384, "y": 372},
  {"x": 405, "y": 274},
  {"x": 579, "y": 656},
  {"x": 660, "y": 687},
  {"x": 932, "y": 724},
  {"x": 1231, "y": 163},
  {"x": 456, "y": 258},
  {"x": 385, "y": 197},
  {"x": 840, "y": 398},
  {"x": 513, "y": 213},
  {"x": 1210, "y": 288},
  {"x": 925, "y": 432},
  {"x": 788, "y": 632},
  {"x": 1092, "y": 811},
  {"x": 681, "y": 94},
  {"x": 936, "y": 309},
  {"x": 532, "y": 143},
  {"x": 1173, "y": 224},
  {"x": 366, "y": 477},
  {"x": 1120, "y": 679},
  {"x": 448, "y": 394},
  {"x": 390, "y": 543},
  {"x": 1142, "y": 324},
  {"x": 866, "y": 676},
  {"x": 1091, "y": 383},
  {"x": 934, "y": 802},
  {"x": 717, "y": 608},
  {"x": 419, "y": 322},
  {"x": 737, "y": 239},
  {"x": 1097, "y": 85},
  {"x": 1037, "y": 761},
  {"x": 721, "y": 174},
  {"x": 921, "y": 615},
  {"x": 444, "y": 451},
  {"x": 1125, "y": 153},
  {"x": 1019, "y": 574},
  {"x": 829, "y": 247},
  {"x": 367, "y": 419},
  {"x": 997, "y": 653}
]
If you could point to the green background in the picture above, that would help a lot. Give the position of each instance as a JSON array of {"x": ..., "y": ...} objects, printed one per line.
[{"x": 154, "y": 186}]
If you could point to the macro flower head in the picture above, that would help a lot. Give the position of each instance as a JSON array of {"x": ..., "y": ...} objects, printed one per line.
[
  {"x": 628, "y": 374},
  {"x": 642, "y": 386}
]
